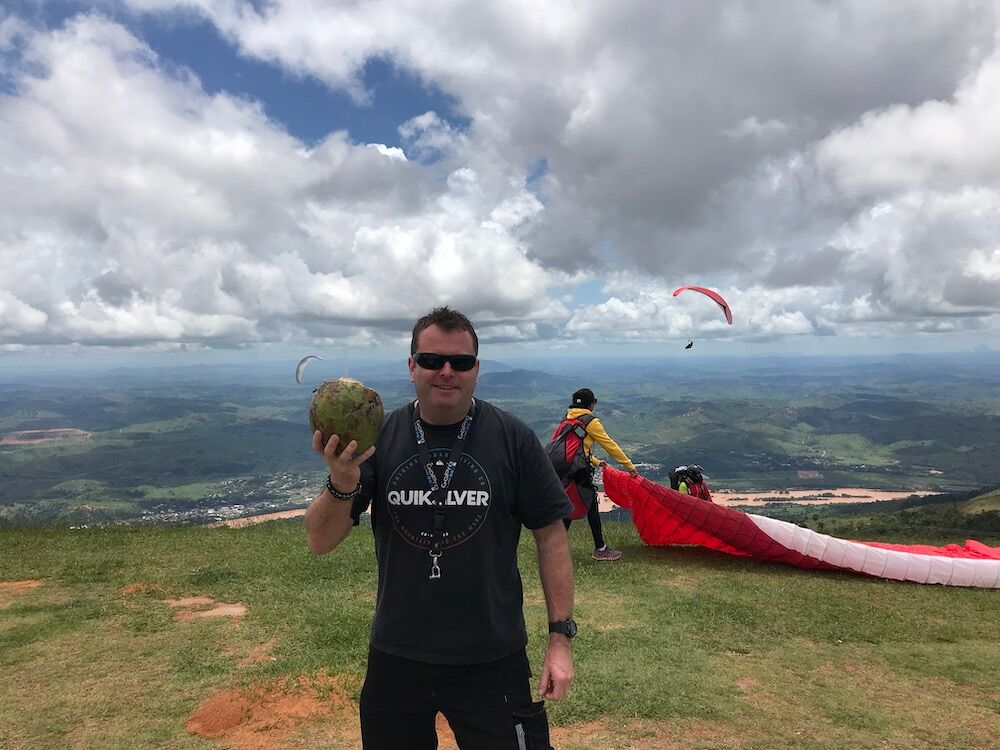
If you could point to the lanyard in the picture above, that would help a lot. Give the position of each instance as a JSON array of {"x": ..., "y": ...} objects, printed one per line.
[{"x": 439, "y": 490}]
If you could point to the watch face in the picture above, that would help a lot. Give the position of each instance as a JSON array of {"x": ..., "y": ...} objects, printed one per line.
[{"x": 566, "y": 627}]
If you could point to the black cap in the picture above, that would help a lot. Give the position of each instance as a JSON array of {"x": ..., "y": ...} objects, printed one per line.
[{"x": 583, "y": 397}]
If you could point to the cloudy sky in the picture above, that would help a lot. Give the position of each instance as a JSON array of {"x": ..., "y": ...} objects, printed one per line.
[{"x": 312, "y": 175}]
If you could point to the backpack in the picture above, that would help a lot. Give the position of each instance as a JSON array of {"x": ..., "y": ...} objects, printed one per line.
[
  {"x": 565, "y": 448},
  {"x": 677, "y": 475},
  {"x": 693, "y": 477},
  {"x": 691, "y": 474}
]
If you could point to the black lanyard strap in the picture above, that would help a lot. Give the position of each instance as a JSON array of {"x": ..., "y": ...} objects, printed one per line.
[{"x": 439, "y": 490}]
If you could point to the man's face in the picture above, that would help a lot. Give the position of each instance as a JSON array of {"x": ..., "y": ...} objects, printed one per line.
[{"x": 444, "y": 394}]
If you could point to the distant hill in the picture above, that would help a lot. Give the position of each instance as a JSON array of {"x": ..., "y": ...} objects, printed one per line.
[
  {"x": 988, "y": 501},
  {"x": 182, "y": 439},
  {"x": 516, "y": 382},
  {"x": 956, "y": 516}
]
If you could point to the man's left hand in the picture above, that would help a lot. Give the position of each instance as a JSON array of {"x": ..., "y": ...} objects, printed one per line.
[{"x": 557, "y": 670}]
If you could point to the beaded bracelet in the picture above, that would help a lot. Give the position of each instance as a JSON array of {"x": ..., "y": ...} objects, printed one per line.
[{"x": 342, "y": 495}]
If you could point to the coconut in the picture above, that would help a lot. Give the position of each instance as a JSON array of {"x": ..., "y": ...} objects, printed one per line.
[{"x": 347, "y": 408}]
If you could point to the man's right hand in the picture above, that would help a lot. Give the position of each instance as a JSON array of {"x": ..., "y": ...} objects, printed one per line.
[
  {"x": 345, "y": 469},
  {"x": 328, "y": 519}
]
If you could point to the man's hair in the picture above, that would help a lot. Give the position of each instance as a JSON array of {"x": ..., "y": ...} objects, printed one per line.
[{"x": 447, "y": 320}]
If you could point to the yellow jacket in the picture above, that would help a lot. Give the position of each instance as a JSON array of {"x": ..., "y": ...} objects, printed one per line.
[{"x": 596, "y": 432}]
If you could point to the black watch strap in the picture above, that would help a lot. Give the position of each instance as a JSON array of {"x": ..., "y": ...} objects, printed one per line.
[{"x": 566, "y": 627}]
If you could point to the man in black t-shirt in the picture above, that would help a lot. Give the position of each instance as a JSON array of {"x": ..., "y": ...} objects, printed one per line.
[{"x": 450, "y": 482}]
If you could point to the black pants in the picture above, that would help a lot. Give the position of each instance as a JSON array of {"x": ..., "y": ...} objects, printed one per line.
[
  {"x": 488, "y": 706},
  {"x": 587, "y": 489}
]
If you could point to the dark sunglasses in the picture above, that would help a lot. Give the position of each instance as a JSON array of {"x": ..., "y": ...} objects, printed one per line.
[{"x": 433, "y": 361}]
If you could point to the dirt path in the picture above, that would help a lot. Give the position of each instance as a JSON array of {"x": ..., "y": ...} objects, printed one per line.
[
  {"x": 237, "y": 523},
  {"x": 10, "y": 590}
]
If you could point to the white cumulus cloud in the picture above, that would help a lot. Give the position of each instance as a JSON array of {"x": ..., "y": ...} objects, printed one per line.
[{"x": 832, "y": 168}]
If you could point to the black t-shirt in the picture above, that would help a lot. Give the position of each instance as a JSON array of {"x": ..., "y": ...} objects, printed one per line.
[{"x": 473, "y": 613}]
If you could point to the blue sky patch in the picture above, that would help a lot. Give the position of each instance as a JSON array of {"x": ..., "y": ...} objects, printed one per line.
[{"x": 303, "y": 105}]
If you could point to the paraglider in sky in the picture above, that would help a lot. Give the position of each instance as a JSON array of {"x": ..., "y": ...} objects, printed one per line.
[
  {"x": 690, "y": 343},
  {"x": 715, "y": 296},
  {"x": 663, "y": 516},
  {"x": 302, "y": 366}
]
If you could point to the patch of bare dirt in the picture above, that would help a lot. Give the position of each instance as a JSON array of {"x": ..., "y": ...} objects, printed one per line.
[
  {"x": 43, "y": 437},
  {"x": 10, "y": 590},
  {"x": 199, "y": 607},
  {"x": 237, "y": 523},
  {"x": 188, "y": 602},
  {"x": 257, "y": 654},
  {"x": 222, "y": 610},
  {"x": 282, "y": 714},
  {"x": 264, "y": 715}
]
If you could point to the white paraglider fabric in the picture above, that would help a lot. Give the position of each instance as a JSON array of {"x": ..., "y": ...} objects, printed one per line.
[
  {"x": 664, "y": 516},
  {"x": 884, "y": 563}
]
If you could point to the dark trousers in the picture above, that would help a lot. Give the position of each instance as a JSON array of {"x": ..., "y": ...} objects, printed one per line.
[
  {"x": 587, "y": 489},
  {"x": 488, "y": 706}
]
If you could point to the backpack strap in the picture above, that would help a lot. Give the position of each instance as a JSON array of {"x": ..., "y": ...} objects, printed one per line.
[{"x": 585, "y": 420}]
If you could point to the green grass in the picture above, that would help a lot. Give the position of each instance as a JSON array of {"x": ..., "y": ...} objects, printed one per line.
[
  {"x": 680, "y": 643},
  {"x": 986, "y": 502},
  {"x": 162, "y": 425},
  {"x": 191, "y": 491}
]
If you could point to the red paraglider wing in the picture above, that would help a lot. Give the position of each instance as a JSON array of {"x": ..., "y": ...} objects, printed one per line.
[
  {"x": 715, "y": 296},
  {"x": 664, "y": 516}
]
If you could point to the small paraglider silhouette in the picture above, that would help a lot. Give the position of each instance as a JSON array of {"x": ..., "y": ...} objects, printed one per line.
[
  {"x": 690, "y": 343},
  {"x": 302, "y": 366}
]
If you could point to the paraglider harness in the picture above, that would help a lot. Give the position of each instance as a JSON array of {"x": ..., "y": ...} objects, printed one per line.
[
  {"x": 572, "y": 463},
  {"x": 693, "y": 476}
]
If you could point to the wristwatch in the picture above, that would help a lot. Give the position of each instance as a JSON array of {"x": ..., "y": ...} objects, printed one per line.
[{"x": 566, "y": 627}]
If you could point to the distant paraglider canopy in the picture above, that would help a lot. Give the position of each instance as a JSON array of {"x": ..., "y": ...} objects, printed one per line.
[
  {"x": 690, "y": 343},
  {"x": 715, "y": 296},
  {"x": 302, "y": 366}
]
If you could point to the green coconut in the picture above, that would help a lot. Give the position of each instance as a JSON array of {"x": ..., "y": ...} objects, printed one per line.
[{"x": 347, "y": 408}]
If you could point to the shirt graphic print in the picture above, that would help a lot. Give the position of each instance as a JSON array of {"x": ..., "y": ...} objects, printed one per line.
[{"x": 411, "y": 503}]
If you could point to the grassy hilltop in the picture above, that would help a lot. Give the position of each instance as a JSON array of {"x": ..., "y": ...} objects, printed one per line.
[{"x": 195, "y": 637}]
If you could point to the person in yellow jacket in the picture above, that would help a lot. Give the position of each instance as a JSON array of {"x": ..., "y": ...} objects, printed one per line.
[{"x": 583, "y": 402}]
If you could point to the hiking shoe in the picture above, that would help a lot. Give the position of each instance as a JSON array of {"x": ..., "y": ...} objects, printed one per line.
[{"x": 606, "y": 553}]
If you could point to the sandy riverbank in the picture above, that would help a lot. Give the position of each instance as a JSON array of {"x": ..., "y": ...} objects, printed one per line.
[{"x": 839, "y": 495}]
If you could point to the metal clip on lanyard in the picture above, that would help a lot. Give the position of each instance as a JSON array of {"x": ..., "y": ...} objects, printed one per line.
[{"x": 439, "y": 491}]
